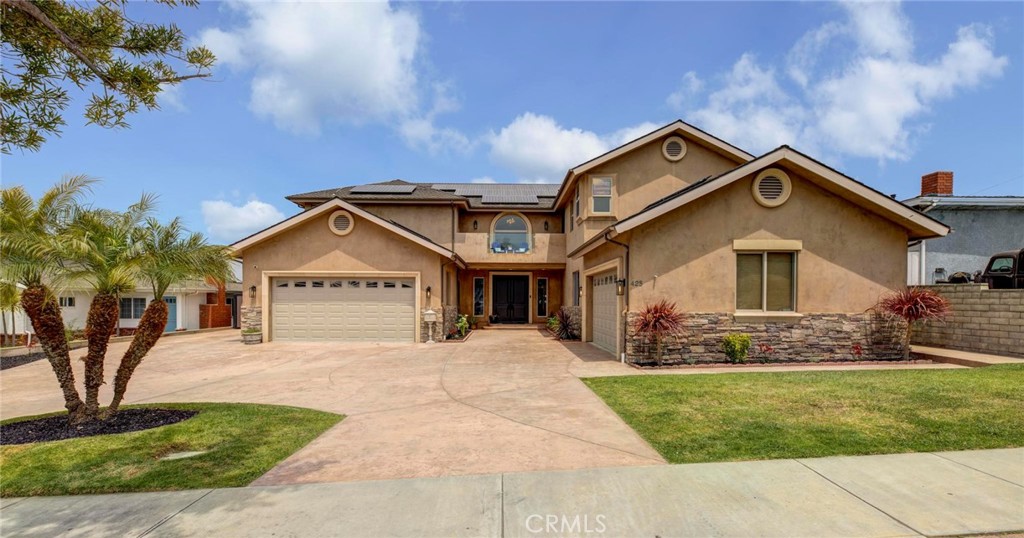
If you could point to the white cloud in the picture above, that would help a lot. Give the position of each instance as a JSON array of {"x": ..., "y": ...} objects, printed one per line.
[
  {"x": 422, "y": 133},
  {"x": 868, "y": 103},
  {"x": 689, "y": 88},
  {"x": 170, "y": 96},
  {"x": 485, "y": 179},
  {"x": 539, "y": 150},
  {"x": 321, "y": 62},
  {"x": 228, "y": 223}
]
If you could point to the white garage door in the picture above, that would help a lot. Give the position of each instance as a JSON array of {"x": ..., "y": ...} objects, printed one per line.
[
  {"x": 605, "y": 311},
  {"x": 343, "y": 309}
]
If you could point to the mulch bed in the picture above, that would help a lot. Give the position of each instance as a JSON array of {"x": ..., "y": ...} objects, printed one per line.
[
  {"x": 19, "y": 360},
  {"x": 57, "y": 428}
]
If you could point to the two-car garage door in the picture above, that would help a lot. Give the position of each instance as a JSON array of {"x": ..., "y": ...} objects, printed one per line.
[{"x": 351, "y": 309}]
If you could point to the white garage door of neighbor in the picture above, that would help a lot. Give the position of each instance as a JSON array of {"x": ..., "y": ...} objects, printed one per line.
[
  {"x": 605, "y": 311},
  {"x": 363, "y": 309}
]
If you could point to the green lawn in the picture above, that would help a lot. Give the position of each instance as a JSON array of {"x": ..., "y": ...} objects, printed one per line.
[
  {"x": 244, "y": 441},
  {"x": 749, "y": 416}
]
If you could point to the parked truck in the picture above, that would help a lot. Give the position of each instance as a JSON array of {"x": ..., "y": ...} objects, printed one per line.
[{"x": 1005, "y": 270}]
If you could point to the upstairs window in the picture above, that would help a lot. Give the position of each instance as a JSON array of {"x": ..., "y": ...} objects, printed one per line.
[
  {"x": 511, "y": 234},
  {"x": 67, "y": 302},
  {"x": 601, "y": 194},
  {"x": 576, "y": 201}
]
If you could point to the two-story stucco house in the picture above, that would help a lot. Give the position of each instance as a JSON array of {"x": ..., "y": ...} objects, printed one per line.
[{"x": 778, "y": 245}]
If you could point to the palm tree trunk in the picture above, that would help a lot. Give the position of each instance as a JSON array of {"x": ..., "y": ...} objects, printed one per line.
[
  {"x": 41, "y": 307},
  {"x": 151, "y": 327},
  {"x": 99, "y": 325}
]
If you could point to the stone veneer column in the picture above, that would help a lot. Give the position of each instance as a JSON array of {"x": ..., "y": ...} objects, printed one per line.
[{"x": 252, "y": 317}]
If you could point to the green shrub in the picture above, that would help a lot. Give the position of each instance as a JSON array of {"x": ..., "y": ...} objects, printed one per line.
[
  {"x": 462, "y": 325},
  {"x": 553, "y": 323},
  {"x": 252, "y": 330},
  {"x": 736, "y": 347}
]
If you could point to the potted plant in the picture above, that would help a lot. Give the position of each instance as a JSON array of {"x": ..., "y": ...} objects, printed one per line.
[
  {"x": 657, "y": 321},
  {"x": 472, "y": 323},
  {"x": 252, "y": 335}
]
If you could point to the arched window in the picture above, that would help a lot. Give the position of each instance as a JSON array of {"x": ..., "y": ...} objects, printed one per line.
[{"x": 510, "y": 234}]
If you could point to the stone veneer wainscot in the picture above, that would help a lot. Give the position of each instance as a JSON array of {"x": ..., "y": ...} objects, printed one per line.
[{"x": 814, "y": 338}]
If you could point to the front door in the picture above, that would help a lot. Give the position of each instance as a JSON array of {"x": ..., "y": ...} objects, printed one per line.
[
  {"x": 172, "y": 314},
  {"x": 511, "y": 298}
]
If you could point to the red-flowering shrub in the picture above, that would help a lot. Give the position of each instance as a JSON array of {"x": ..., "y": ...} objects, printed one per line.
[
  {"x": 657, "y": 321},
  {"x": 912, "y": 305}
]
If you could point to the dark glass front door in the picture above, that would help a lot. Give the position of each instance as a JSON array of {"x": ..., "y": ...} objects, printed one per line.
[{"x": 511, "y": 299}]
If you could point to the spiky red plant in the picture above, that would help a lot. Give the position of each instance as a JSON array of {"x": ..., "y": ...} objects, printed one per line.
[
  {"x": 912, "y": 305},
  {"x": 657, "y": 321}
]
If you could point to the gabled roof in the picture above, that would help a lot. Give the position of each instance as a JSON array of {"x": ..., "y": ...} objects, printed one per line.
[
  {"x": 337, "y": 203},
  {"x": 471, "y": 195},
  {"x": 678, "y": 127},
  {"x": 919, "y": 225}
]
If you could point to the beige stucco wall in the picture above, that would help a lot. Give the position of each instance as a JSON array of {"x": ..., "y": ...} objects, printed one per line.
[
  {"x": 850, "y": 257},
  {"x": 485, "y": 219},
  {"x": 433, "y": 221},
  {"x": 643, "y": 176},
  {"x": 312, "y": 246}
]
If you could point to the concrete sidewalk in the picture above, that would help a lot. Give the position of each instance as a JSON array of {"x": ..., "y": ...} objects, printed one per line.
[{"x": 940, "y": 494}]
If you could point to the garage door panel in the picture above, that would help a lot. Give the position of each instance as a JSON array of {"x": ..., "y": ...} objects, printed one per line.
[
  {"x": 605, "y": 311},
  {"x": 350, "y": 309}
]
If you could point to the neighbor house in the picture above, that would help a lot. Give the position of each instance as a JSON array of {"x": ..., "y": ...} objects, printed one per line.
[
  {"x": 984, "y": 225},
  {"x": 191, "y": 305},
  {"x": 779, "y": 246}
]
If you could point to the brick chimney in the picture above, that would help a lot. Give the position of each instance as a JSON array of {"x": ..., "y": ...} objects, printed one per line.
[{"x": 937, "y": 184}]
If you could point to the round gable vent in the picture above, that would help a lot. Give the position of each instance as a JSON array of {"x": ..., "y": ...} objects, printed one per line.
[
  {"x": 340, "y": 222},
  {"x": 772, "y": 187},
  {"x": 674, "y": 148}
]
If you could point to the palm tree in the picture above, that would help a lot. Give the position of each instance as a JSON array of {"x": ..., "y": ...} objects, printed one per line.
[
  {"x": 30, "y": 250},
  {"x": 166, "y": 256},
  {"x": 99, "y": 249}
]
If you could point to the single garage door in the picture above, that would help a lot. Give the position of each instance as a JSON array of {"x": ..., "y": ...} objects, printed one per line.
[
  {"x": 605, "y": 311},
  {"x": 343, "y": 309}
]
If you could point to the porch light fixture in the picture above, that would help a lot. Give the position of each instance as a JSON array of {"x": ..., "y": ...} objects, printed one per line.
[
  {"x": 620, "y": 287},
  {"x": 475, "y": 225},
  {"x": 252, "y": 292},
  {"x": 545, "y": 226},
  {"x": 580, "y": 291},
  {"x": 428, "y": 294}
]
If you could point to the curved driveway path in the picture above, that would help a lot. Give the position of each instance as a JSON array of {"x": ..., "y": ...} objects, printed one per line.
[{"x": 504, "y": 401}]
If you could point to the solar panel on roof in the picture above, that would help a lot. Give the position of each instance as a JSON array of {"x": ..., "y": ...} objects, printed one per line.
[
  {"x": 383, "y": 189},
  {"x": 509, "y": 199}
]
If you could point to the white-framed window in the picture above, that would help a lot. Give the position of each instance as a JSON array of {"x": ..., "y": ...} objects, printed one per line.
[
  {"x": 132, "y": 307},
  {"x": 766, "y": 281},
  {"x": 576, "y": 201},
  {"x": 601, "y": 195},
  {"x": 572, "y": 220},
  {"x": 66, "y": 302},
  {"x": 511, "y": 234},
  {"x": 478, "y": 296}
]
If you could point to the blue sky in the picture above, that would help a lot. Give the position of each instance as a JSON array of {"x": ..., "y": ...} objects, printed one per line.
[{"x": 318, "y": 95}]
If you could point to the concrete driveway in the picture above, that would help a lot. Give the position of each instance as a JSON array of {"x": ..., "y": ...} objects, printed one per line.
[{"x": 504, "y": 401}]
